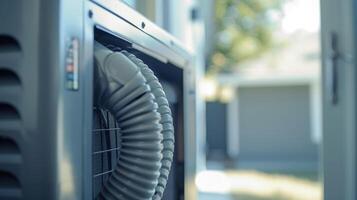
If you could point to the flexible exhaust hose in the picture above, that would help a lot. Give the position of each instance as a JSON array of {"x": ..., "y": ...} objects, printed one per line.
[
  {"x": 122, "y": 88},
  {"x": 166, "y": 122}
]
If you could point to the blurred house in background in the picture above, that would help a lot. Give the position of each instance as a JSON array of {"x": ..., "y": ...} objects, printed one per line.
[{"x": 274, "y": 120}]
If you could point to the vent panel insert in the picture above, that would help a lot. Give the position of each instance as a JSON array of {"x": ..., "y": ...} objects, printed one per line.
[
  {"x": 8, "y": 44},
  {"x": 106, "y": 145}
]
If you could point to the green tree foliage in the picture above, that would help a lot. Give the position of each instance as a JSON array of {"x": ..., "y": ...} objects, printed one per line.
[{"x": 244, "y": 31}]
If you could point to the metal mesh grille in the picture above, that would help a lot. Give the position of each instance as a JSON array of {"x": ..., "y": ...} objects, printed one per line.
[{"x": 106, "y": 145}]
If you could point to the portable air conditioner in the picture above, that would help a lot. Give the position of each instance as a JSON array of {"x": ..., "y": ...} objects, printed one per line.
[{"x": 96, "y": 102}]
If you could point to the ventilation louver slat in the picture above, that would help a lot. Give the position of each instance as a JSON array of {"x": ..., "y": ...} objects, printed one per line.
[
  {"x": 8, "y": 78},
  {"x": 9, "y": 186},
  {"x": 8, "y": 44},
  {"x": 8, "y": 112}
]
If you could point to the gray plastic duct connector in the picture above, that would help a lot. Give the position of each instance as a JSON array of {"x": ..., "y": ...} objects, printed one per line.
[{"x": 121, "y": 88}]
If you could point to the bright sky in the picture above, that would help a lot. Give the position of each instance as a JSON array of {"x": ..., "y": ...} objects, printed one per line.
[{"x": 301, "y": 15}]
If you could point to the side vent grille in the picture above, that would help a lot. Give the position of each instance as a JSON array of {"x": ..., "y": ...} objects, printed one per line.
[
  {"x": 8, "y": 44},
  {"x": 10, "y": 155},
  {"x": 10, "y": 119}
]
